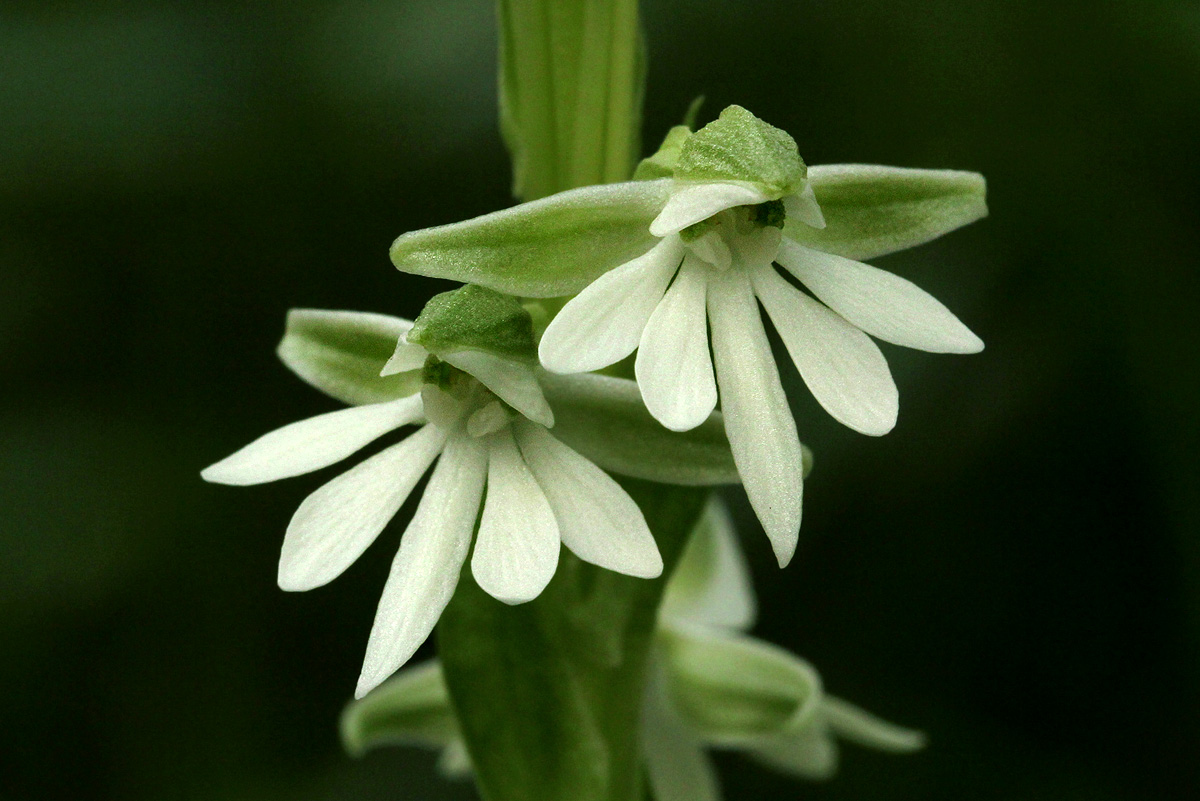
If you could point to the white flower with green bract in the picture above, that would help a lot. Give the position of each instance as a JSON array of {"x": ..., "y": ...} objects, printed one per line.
[
  {"x": 464, "y": 373},
  {"x": 689, "y": 252}
]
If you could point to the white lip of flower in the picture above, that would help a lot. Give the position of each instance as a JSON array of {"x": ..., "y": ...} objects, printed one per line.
[
  {"x": 666, "y": 302},
  {"x": 539, "y": 493}
]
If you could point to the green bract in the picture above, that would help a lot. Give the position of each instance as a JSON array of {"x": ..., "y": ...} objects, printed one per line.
[
  {"x": 342, "y": 352},
  {"x": 872, "y": 210},
  {"x": 662, "y": 163},
  {"x": 475, "y": 318},
  {"x": 739, "y": 147}
]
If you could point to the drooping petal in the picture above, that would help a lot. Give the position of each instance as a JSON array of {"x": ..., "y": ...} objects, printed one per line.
[
  {"x": 339, "y": 521},
  {"x": 603, "y": 323},
  {"x": 516, "y": 551},
  {"x": 842, "y": 367},
  {"x": 676, "y": 765},
  {"x": 425, "y": 570},
  {"x": 861, "y": 727},
  {"x": 673, "y": 367},
  {"x": 711, "y": 584},
  {"x": 311, "y": 444},
  {"x": 878, "y": 302},
  {"x": 514, "y": 383},
  {"x": 689, "y": 204},
  {"x": 597, "y": 520},
  {"x": 762, "y": 432}
]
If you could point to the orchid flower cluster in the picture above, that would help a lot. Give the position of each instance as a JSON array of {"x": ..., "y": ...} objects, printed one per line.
[{"x": 615, "y": 330}]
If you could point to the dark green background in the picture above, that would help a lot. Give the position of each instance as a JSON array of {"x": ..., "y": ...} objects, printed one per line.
[{"x": 1015, "y": 569}]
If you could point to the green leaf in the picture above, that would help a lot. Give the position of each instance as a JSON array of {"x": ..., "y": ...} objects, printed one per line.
[
  {"x": 411, "y": 708},
  {"x": 736, "y": 689},
  {"x": 872, "y": 210},
  {"x": 548, "y": 693},
  {"x": 547, "y": 248},
  {"x": 605, "y": 419},
  {"x": 739, "y": 147},
  {"x": 662, "y": 163},
  {"x": 572, "y": 74},
  {"x": 342, "y": 352},
  {"x": 475, "y": 318}
]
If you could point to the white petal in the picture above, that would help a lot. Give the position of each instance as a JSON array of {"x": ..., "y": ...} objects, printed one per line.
[
  {"x": 842, "y": 367},
  {"x": 711, "y": 585},
  {"x": 425, "y": 570},
  {"x": 882, "y": 304},
  {"x": 489, "y": 419},
  {"x": 406, "y": 357},
  {"x": 673, "y": 368},
  {"x": 762, "y": 432},
  {"x": 676, "y": 765},
  {"x": 516, "y": 551},
  {"x": 335, "y": 524},
  {"x": 313, "y": 443},
  {"x": 515, "y": 384},
  {"x": 597, "y": 520},
  {"x": 804, "y": 207},
  {"x": 690, "y": 204},
  {"x": 602, "y": 324}
]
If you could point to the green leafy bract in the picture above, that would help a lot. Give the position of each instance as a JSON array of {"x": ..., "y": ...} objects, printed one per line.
[
  {"x": 739, "y": 147},
  {"x": 475, "y": 318}
]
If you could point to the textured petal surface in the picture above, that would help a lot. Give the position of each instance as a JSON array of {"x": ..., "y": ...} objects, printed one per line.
[
  {"x": 311, "y": 444},
  {"x": 762, "y": 432},
  {"x": 340, "y": 520},
  {"x": 603, "y": 323},
  {"x": 711, "y": 584},
  {"x": 514, "y": 383},
  {"x": 691, "y": 204},
  {"x": 878, "y": 302},
  {"x": 674, "y": 369},
  {"x": 597, "y": 520},
  {"x": 842, "y": 367},
  {"x": 425, "y": 570},
  {"x": 516, "y": 551}
]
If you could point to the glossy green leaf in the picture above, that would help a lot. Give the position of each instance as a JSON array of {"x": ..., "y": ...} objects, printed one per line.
[
  {"x": 604, "y": 419},
  {"x": 341, "y": 353},
  {"x": 872, "y": 210},
  {"x": 411, "y": 708},
  {"x": 475, "y": 318},
  {"x": 549, "y": 692},
  {"x": 741, "y": 148},
  {"x": 547, "y": 248}
]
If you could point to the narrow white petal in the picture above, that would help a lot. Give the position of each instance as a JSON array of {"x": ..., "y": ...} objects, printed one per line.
[
  {"x": 313, "y": 443},
  {"x": 676, "y": 765},
  {"x": 762, "y": 432},
  {"x": 516, "y": 551},
  {"x": 515, "y": 384},
  {"x": 335, "y": 524},
  {"x": 406, "y": 357},
  {"x": 880, "y": 303},
  {"x": 690, "y": 204},
  {"x": 842, "y": 367},
  {"x": 597, "y": 520},
  {"x": 859, "y": 726},
  {"x": 602, "y": 324},
  {"x": 673, "y": 368},
  {"x": 425, "y": 570},
  {"x": 804, "y": 207}
]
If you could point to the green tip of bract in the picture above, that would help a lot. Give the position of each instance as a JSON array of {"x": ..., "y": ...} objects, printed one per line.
[
  {"x": 739, "y": 147},
  {"x": 475, "y": 318}
]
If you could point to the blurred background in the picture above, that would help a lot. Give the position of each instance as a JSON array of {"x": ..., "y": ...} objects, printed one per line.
[{"x": 1015, "y": 569}]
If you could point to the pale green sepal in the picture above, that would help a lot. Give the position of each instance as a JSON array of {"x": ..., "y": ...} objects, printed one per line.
[
  {"x": 740, "y": 148},
  {"x": 412, "y": 708},
  {"x": 872, "y": 210},
  {"x": 547, "y": 248},
  {"x": 662, "y": 163},
  {"x": 342, "y": 352},
  {"x": 475, "y": 318},
  {"x": 604, "y": 419},
  {"x": 861, "y": 727},
  {"x": 735, "y": 690},
  {"x": 811, "y": 753},
  {"x": 712, "y": 584}
]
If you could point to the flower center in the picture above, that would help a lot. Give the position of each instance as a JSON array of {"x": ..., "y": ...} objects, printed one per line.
[
  {"x": 454, "y": 399},
  {"x": 746, "y": 236}
]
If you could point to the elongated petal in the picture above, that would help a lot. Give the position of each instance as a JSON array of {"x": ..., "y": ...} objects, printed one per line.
[
  {"x": 676, "y": 765},
  {"x": 762, "y": 432},
  {"x": 878, "y": 302},
  {"x": 871, "y": 210},
  {"x": 425, "y": 570},
  {"x": 597, "y": 520},
  {"x": 311, "y": 444},
  {"x": 603, "y": 323},
  {"x": 514, "y": 383},
  {"x": 673, "y": 367},
  {"x": 842, "y": 367},
  {"x": 604, "y": 419},
  {"x": 689, "y": 204},
  {"x": 342, "y": 353},
  {"x": 413, "y": 707},
  {"x": 711, "y": 584},
  {"x": 861, "y": 727},
  {"x": 547, "y": 248},
  {"x": 516, "y": 551},
  {"x": 340, "y": 520}
]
